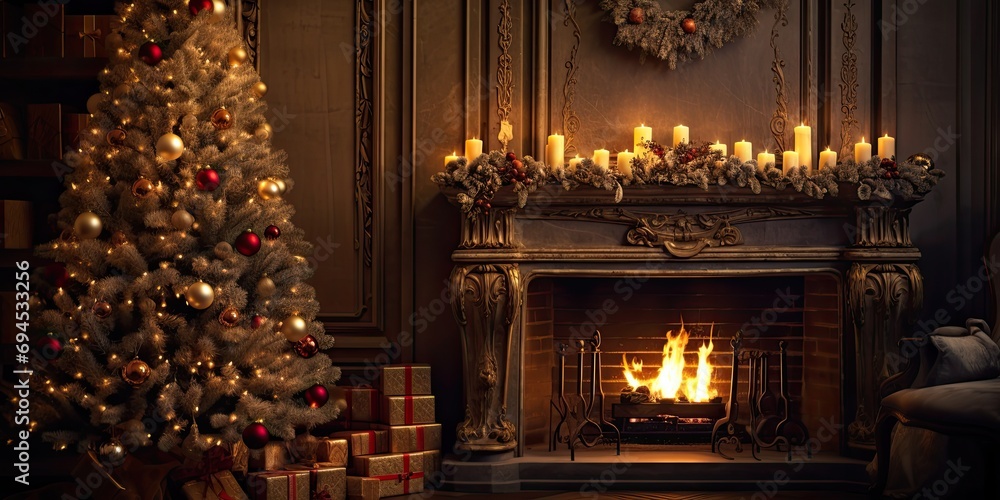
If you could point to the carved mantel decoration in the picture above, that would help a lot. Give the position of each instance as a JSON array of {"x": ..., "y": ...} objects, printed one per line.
[{"x": 665, "y": 231}]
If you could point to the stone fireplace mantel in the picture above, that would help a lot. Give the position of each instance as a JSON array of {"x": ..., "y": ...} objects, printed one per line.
[{"x": 665, "y": 231}]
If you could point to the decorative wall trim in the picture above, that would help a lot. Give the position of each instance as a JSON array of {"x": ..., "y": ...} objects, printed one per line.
[
  {"x": 505, "y": 75},
  {"x": 570, "y": 120},
  {"x": 493, "y": 230},
  {"x": 848, "y": 79},
  {"x": 779, "y": 119},
  {"x": 248, "y": 22},
  {"x": 364, "y": 120}
]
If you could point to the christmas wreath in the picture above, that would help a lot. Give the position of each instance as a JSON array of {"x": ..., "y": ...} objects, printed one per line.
[{"x": 680, "y": 35}]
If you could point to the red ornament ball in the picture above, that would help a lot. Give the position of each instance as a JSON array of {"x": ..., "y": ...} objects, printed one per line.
[
  {"x": 272, "y": 232},
  {"x": 50, "y": 347},
  {"x": 247, "y": 243},
  {"x": 316, "y": 396},
  {"x": 636, "y": 15},
  {"x": 307, "y": 347},
  {"x": 197, "y": 6},
  {"x": 689, "y": 26},
  {"x": 255, "y": 436},
  {"x": 257, "y": 321},
  {"x": 511, "y": 156},
  {"x": 151, "y": 53},
  {"x": 56, "y": 274},
  {"x": 207, "y": 179}
]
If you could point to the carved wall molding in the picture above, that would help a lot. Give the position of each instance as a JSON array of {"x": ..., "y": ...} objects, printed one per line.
[
  {"x": 505, "y": 74},
  {"x": 486, "y": 300},
  {"x": 570, "y": 120},
  {"x": 884, "y": 301},
  {"x": 883, "y": 227},
  {"x": 684, "y": 235},
  {"x": 848, "y": 79},
  {"x": 364, "y": 119},
  {"x": 493, "y": 230},
  {"x": 779, "y": 120},
  {"x": 248, "y": 22}
]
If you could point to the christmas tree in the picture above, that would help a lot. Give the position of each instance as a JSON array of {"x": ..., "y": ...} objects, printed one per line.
[{"x": 180, "y": 304}]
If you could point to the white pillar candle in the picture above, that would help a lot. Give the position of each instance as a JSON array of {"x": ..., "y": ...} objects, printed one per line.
[
  {"x": 682, "y": 135},
  {"x": 789, "y": 160},
  {"x": 555, "y": 150},
  {"x": 450, "y": 158},
  {"x": 641, "y": 134},
  {"x": 862, "y": 151},
  {"x": 743, "y": 151},
  {"x": 473, "y": 148},
  {"x": 763, "y": 159},
  {"x": 827, "y": 159},
  {"x": 574, "y": 163},
  {"x": 803, "y": 145},
  {"x": 625, "y": 163},
  {"x": 886, "y": 147},
  {"x": 602, "y": 158},
  {"x": 721, "y": 148}
]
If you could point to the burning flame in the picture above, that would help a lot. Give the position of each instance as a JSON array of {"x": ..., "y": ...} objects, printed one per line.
[{"x": 671, "y": 381}]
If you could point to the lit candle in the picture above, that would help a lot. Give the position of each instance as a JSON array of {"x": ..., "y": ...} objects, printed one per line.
[
  {"x": 555, "y": 150},
  {"x": 886, "y": 147},
  {"x": 641, "y": 134},
  {"x": 789, "y": 160},
  {"x": 625, "y": 163},
  {"x": 827, "y": 159},
  {"x": 803, "y": 145},
  {"x": 862, "y": 151},
  {"x": 450, "y": 158},
  {"x": 602, "y": 158},
  {"x": 473, "y": 148},
  {"x": 743, "y": 151},
  {"x": 682, "y": 135},
  {"x": 721, "y": 148},
  {"x": 574, "y": 163},
  {"x": 763, "y": 159}
]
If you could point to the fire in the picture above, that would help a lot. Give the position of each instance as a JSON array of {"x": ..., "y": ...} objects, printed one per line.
[{"x": 671, "y": 381}]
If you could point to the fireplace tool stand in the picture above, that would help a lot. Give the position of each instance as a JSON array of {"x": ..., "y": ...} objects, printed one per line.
[
  {"x": 589, "y": 430},
  {"x": 771, "y": 424},
  {"x": 558, "y": 403}
]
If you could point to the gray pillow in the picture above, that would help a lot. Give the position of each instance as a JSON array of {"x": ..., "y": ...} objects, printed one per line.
[{"x": 949, "y": 359}]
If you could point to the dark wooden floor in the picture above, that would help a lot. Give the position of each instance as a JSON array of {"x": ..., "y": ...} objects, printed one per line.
[{"x": 675, "y": 495}]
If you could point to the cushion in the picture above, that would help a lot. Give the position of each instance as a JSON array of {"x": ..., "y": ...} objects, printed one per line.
[
  {"x": 972, "y": 404},
  {"x": 949, "y": 359}
]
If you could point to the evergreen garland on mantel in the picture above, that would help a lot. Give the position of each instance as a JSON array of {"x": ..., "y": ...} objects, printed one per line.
[{"x": 679, "y": 35}]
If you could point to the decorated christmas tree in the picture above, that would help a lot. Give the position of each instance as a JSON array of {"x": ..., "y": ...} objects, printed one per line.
[{"x": 180, "y": 305}]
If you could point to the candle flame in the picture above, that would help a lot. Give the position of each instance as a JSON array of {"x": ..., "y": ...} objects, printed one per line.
[
  {"x": 887, "y": 135},
  {"x": 827, "y": 147},
  {"x": 862, "y": 139}
]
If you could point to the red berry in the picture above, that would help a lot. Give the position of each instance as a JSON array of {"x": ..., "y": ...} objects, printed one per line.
[
  {"x": 518, "y": 165},
  {"x": 511, "y": 156}
]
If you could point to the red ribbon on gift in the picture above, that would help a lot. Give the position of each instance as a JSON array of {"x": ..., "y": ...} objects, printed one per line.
[
  {"x": 408, "y": 410},
  {"x": 371, "y": 443},
  {"x": 293, "y": 485},
  {"x": 420, "y": 438},
  {"x": 314, "y": 488},
  {"x": 403, "y": 477}
]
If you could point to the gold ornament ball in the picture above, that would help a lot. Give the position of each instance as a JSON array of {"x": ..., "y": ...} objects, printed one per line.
[
  {"x": 147, "y": 305},
  {"x": 218, "y": 11},
  {"x": 95, "y": 102},
  {"x": 189, "y": 122},
  {"x": 689, "y": 26},
  {"x": 223, "y": 250},
  {"x": 200, "y": 295},
  {"x": 281, "y": 185},
  {"x": 102, "y": 309},
  {"x": 265, "y": 287},
  {"x": 120, "y": 91},
  {"x": 222, "y": 119},
  {"x": 264, "y": 132},
  {"x": 237, "y": 56},
  {"x": 169, "y": 147},
  {"x": 136, "y": 372},
  {"x": 142, "y": 188},
  {"x": 182, "y": 220},
  {"x": 116, "y": 137},
  {"x": 113, "y": 42},
  {"x": 88, "y": 226},
  {"x": 229, "y": 317},
  {"x": 118, "y": 239},
  {"x": 268, "y": 189},
  {"x": 112, "y": 452},
  {"x": 294, "y": 328},
  {"x": 259, "y": 89}
]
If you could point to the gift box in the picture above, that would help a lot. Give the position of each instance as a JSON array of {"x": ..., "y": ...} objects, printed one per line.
[
  {"x": 44, "y": 132},
  {"x": 407, "y": 410},
  {"x": 218, "y": 486},
  {"x": 85, "y": 35},
  {"x": 357, "y": 404},
  {"x": 410, "y": 438},
  {"x": 405, "y": 380},
  {"x": 398, "y": 474},
  {"x": 432, "y": 465},
  {"x": 48, "y": 18},
  {"x": 326, "y": 482},
  {"x": 11, "y": 145},
  {"x": 364, "y": 442},
  {"x": 334, "y": 451},
  {"x": 363, "y": 488},
  {"x": 15, "y": 221},
  {"x": 273, "y": 456},
  {"x": 279, "y": 485},
  {"x": 73, "y": 127}
]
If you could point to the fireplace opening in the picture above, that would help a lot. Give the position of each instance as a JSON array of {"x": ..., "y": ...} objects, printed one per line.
[{"x": 666, "y": 356}]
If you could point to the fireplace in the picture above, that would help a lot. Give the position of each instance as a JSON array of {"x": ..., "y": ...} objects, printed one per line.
[{"x": 828, "y": 285}]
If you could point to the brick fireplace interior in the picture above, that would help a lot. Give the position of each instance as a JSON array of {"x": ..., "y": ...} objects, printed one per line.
[{"x": 634, "y": 315}]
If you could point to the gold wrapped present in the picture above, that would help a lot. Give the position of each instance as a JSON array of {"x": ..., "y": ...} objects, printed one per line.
[
  {"x": 432, "y": 466},
  {"x": 333, "y": 451},
  {"x": 405, "y": 380},
  {"x": 398, "y": 474},
  {"x": 279, "y": 485},
  {"x": 85, "y": 35},
  {"x": 363, "y": 488},
  {"x": 273, "y": 456},
  {"x": 364, "y": 442},
  {"x": 218, "y": 486},
  {"x": 356, "y": 404},
  {"x": 407, "y": 410},
  {"x": 408, "y": 438},
  {"x": 326, "y": 481}
]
